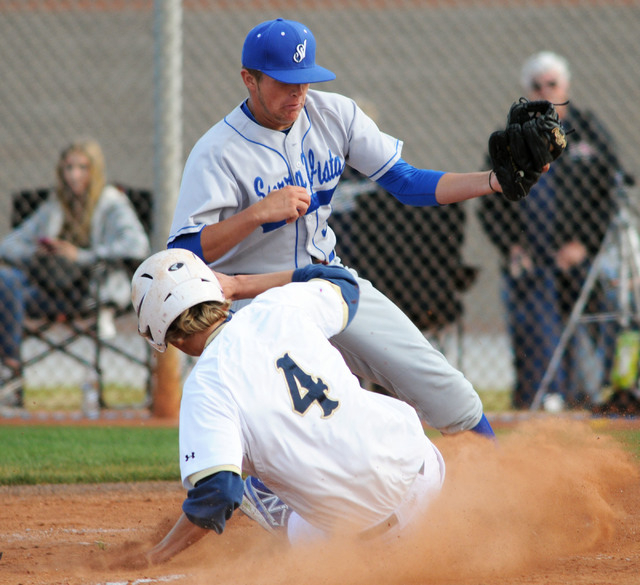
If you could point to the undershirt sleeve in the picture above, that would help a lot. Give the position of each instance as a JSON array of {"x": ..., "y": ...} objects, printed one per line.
[
  {"x": 411, "y": 186},
  {"x": 190, "y": 241},
  {"x": 213, "y": 499}
]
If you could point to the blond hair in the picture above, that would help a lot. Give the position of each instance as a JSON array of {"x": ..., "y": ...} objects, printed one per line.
[
  {"x": 196, "y": 319},
  {"x": 78, "y": 229}
]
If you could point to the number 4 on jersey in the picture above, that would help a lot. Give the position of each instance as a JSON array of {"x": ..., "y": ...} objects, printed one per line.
[{"x": 304, "y": 389}]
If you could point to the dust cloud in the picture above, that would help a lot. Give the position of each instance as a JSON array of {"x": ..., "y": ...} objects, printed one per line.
[{"x": 546, "y": 490}]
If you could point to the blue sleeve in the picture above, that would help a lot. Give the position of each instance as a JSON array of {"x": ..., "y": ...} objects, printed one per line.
[
  {"x": 337, "y": 275},
  {"x": 189, "y": 242},
  {"x": 411, "y": 186},
  {"x": 213, "y": 499}
]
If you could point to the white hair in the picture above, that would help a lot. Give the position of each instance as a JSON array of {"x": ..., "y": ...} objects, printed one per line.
[{"x": 543, "y": 62}]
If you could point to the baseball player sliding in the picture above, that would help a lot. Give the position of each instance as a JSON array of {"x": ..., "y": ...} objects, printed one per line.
[
  {"x": 267, "y": 378},
  {"x": 256, "y": 197}
]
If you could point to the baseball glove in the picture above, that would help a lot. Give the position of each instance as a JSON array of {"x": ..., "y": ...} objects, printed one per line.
[{"x": 532, "y": 139}]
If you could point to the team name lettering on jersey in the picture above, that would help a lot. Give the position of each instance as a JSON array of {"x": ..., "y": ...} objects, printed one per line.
[
  {"x": 324, "y": 170},
  {"x": 259, "y": 186},
  {"x": 320, "y": 172}
]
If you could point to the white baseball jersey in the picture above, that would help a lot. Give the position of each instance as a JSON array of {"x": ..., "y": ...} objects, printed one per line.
[
  {"x": 238, "y": 162},
  {"x": 272, "y": 397}
]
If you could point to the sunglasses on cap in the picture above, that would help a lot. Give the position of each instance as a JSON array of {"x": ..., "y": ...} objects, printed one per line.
[{"x": 537, "y": 86}]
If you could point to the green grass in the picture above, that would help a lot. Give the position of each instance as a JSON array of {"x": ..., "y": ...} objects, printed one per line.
[
  {"x": 65, "y": 398},
  {"x": 53, "y": 454},
  {"x": 495, "y": 400},
  {"x": 87, "y": 454},
  {"x": 629, "y": 437}
]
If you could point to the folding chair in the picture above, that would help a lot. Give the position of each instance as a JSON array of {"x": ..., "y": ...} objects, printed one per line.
[{"x": 84, "y": 322}]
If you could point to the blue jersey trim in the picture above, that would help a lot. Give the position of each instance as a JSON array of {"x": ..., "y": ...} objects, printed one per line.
[
  {"x": 267, "y": 227},
  {"x": 387, "y": 162},
  {"x": 189, "y": 229},
  {"x": 322, "y": 198},
  {"x": 245, "y": 108},
  {"x": 410, "y": 185}
]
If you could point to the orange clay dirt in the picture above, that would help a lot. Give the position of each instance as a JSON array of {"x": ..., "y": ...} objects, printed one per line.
[{"x": 555, "y": 502}]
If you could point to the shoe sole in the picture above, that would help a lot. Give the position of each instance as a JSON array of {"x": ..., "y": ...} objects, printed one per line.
[{"x": 248, "y": 508}]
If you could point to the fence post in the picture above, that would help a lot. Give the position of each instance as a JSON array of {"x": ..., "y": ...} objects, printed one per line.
[{"x": 167, "y": 83}]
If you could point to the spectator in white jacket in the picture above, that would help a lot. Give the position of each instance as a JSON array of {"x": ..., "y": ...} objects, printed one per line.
[{"x": 47, "y": 259}]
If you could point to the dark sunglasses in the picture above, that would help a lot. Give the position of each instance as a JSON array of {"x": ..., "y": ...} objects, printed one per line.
[{"x": 537, "y": 86}]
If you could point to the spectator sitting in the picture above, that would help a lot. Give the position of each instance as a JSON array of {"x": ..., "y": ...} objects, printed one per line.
[{"x": 48, "y": 257}]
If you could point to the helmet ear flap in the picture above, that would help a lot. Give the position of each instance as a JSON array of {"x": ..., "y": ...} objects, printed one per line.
[
  {"x": 164, "y": 286},
  {"x": 146, "y": 333}
]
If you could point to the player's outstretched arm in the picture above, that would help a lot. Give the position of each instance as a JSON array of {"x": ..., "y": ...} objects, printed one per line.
[
  {"x": 248, "y": 286},
  {"x": 183, "y": 534},
  {"x": 425, "y": 187},
  {"x": 456, "y": 187}
]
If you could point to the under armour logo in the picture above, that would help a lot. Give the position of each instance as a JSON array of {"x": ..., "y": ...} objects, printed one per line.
[
  {"x": 301, "y": 51},
  {"x": 187, "y": 456}
]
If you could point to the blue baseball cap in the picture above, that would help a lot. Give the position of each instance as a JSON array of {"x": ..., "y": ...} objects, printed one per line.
[{"x": 284, "y": 50}]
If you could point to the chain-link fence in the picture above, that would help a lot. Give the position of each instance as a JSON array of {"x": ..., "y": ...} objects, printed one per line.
[{"x": 440, "y": 75}]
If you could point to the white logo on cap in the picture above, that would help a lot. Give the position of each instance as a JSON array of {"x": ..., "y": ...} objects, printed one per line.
[{"x": 301, "y": 51}]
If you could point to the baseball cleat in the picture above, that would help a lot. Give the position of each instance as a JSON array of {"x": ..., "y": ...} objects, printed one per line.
[{"x": 262, "y": 505}]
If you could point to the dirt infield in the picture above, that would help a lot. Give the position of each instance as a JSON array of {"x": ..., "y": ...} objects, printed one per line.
[{"x": 554, "y": 503}]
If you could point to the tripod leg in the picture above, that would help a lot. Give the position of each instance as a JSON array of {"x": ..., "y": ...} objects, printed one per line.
[
  {"x": 568, "y": 331},
  {"x": 633, "y": 262},
  {"x": 622, "y": 236}
]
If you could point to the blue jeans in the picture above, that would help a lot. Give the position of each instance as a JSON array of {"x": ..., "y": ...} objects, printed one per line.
[
  {"x": 18, "y": 298},
  {"x": 534, "y": 323}
]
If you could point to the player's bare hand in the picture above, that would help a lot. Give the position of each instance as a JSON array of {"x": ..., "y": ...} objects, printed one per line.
[
  {"x": 228, "y": 284},
  {"x": 286, "y": 204}
]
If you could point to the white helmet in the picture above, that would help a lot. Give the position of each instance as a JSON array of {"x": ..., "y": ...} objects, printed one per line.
[{"x": 165, "y": 285}]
